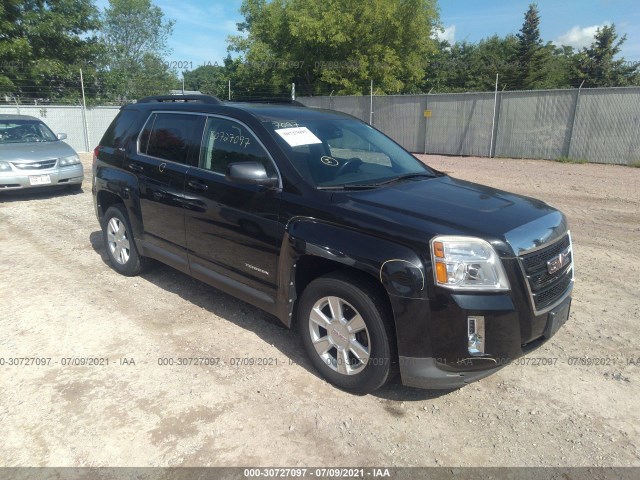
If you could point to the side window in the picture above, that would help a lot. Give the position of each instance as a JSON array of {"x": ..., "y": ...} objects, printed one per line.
[
  {"x": 169, "y": 136},
  {"x": 226, "y": 141}
]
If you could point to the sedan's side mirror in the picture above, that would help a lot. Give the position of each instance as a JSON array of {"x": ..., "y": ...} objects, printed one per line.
[
  {"x": 62, "y": 136},
  {"x": 250, "y": 173}
]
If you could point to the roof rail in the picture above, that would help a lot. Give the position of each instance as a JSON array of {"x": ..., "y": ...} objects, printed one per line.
[
  {"x": 181, "y": 98},
  {"x": 277, "y": 100}
]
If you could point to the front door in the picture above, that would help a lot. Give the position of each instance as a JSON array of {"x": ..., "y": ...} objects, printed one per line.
[{"x": 233, "y": 232}]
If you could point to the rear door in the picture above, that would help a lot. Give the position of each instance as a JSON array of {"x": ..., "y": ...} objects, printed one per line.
[
  {"x": 168, "y": 144},
  {"x": 233, "y": 233}
]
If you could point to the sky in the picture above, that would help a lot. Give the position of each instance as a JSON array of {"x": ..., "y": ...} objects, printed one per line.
[{"x": 202, "y": 26}]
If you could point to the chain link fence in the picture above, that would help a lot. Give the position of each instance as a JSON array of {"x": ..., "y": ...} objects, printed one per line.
[{"x": 599, "y": 125}]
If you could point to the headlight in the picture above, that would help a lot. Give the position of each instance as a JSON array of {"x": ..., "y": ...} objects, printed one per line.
[
  {"x": 5, "y": 167},
  {"x": 66, "y": 161},
  {"x": 467, "y": 263}
]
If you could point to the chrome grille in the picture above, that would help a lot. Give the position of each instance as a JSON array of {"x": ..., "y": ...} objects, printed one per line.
[
  {"x": 41, "y": 165},
  {"x": 547, "y": 288}
]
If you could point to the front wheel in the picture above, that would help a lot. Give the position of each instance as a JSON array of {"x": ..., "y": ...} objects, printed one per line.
[
  {"x": 118, "y": 240},
  {"x": 347, "y": 333}
]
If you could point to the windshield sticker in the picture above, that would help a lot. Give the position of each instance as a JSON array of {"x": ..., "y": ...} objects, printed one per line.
[
  {"x": 296, "y": 137},
  {"x": 329, "y": 161}
]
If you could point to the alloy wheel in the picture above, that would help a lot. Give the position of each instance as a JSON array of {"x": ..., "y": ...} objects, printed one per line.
[
  {"x": 118, "y": 240},
  {"x": 340, "y": 335}
]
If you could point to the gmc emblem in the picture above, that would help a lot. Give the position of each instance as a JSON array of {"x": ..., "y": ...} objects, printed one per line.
[{"x": 559, "y": 261}]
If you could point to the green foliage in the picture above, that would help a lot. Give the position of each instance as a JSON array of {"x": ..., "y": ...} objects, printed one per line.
[
  {"x": 571, "y": 160},
  {"x": 524, "y": 62},
  {"x": 323, "y": 46},
  {"x": 134, "y": 35},
  {"x": 339, "y": 45},
  {"x": 43, "y": 44},
  {"x": 464, "y": 66},
  {"x": 132, "y": 29},
  {"x": 530, "y": 57},
  {"x": 596, "y": 65},
  {"x": 213, "y": 79}
]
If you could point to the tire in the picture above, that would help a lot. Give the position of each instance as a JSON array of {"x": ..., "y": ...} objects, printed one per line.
[
  {"x": 118, "y": 241},
  {"x": 355, "y": 349}
]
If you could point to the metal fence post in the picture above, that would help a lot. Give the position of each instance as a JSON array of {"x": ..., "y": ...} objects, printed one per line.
[
  {"x": 493, "y": 122},
  {"x": 573, "y": 120},
  {"x": 84, "y": 115},
  {"x": 426, "y": 121},
  {"x": 371, "y": 106}
]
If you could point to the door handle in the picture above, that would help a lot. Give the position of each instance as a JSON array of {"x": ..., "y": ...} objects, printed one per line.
[
  {"x": 197, "y": 185},
  {"x": 136, "y": 168}
]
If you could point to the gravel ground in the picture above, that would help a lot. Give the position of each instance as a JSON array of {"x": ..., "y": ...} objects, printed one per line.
[{"x": 60, "y": 300}]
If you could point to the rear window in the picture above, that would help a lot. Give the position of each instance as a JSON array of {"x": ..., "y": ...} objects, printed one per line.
[{"x": 169, "y": 136}]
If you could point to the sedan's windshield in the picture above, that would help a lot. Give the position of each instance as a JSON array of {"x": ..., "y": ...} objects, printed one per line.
[
  {"x": 343, "y": 153},
  {"x": 25, "y": 131}
]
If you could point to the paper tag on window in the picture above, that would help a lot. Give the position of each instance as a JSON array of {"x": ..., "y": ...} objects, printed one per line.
[{"x": 298, "y": 136}]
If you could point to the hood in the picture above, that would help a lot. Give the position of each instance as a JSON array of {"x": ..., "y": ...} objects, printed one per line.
[
  {"x": 35, "y": 151},
  {"x": 445, "y": 205}
]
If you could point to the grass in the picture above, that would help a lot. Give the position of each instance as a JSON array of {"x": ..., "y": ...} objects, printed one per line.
[
  {"x": 635, "y": 163},
  {"x": 571, "y": 160}
]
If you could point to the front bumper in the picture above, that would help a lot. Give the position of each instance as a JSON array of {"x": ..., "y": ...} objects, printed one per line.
[
  {"x": 426, "y": 373},
  {"x": 71, "y": 175},
  {"x": 433, "y": 346}
]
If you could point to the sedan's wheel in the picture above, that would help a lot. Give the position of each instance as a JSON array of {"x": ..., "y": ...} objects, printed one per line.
[
  {"x": 119, "y": 242},
  {"x": 347, "y": 332}
]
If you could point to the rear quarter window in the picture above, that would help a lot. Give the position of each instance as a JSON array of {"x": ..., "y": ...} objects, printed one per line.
[{"x": 116, "y": 134}]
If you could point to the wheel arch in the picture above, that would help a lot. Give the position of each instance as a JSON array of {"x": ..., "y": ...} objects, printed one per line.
[
  {"x": 104, "y": 200},
  {"x": 312, "y": 248},
  {"x": 112, "y": 186}
]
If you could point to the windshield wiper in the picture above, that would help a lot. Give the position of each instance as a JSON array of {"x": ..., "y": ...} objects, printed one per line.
[
  {"x": 407, "y": 176},
  {"x": 364, "y": 186},
  {"x": 347, "y": 186}
]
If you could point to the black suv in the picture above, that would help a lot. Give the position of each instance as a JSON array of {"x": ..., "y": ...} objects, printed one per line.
[{"x": 321, "y": 220}]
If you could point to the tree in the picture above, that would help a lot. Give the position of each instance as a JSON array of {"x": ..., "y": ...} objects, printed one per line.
[
  {"x": 468, "y": 67},
  {"x": 597, "y": 66},
  {"x": 337, "y": 45},
  {"x": 213, "y": 79},
  {"x": 529, "y": 56},
  {"x": 135, "y": 35},
  {"x": 43, "y": 43}
]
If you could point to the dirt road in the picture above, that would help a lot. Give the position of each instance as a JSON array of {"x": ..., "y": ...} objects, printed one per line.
[{"x": 60, "y": 301}]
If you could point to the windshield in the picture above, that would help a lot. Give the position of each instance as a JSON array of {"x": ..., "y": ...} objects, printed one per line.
[
  {"x": 25, "y": 131},
  {"x": 343, "y": 152}
]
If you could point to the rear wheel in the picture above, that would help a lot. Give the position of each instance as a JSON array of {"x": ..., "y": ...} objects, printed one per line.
[
  {"x": 118, "y": 240},
  {"x": 347, "y": 333}
]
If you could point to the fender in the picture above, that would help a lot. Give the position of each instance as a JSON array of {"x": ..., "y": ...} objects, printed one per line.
[
  {"x": 125, "y": 186},
  {"x": 399, "y": 268}
]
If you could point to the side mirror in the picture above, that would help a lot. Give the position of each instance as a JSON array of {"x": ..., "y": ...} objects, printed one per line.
[
  {"x": 62, "y": 136},
  {"x": 250, "y": 173}
]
